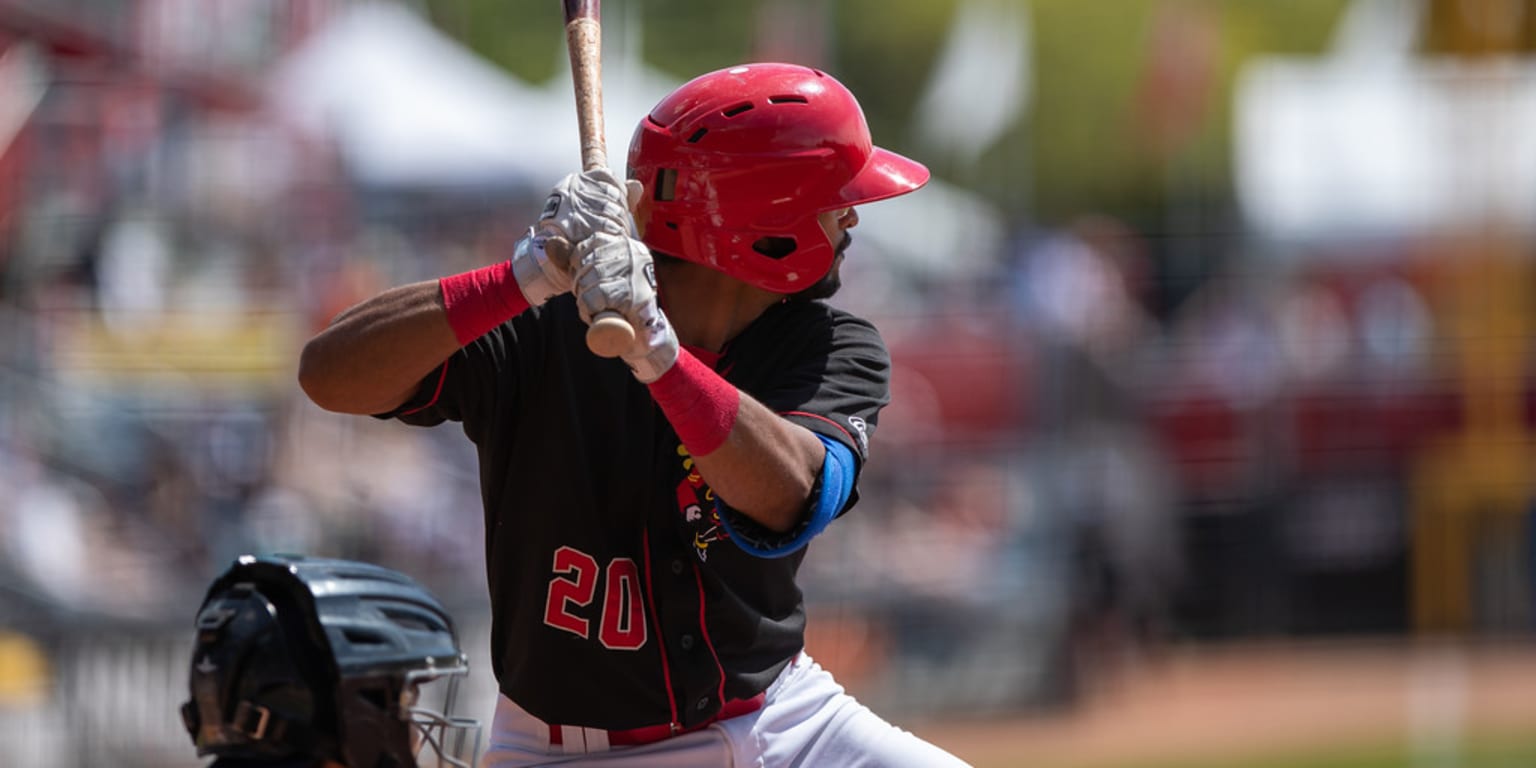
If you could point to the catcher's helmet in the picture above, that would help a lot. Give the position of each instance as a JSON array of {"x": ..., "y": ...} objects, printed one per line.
[
  {"x": 736, "y": 165},
  {"x": 310, "y": 657}
]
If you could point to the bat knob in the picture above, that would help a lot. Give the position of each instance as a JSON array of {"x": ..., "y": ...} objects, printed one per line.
[{"x": 610, "y": 334}]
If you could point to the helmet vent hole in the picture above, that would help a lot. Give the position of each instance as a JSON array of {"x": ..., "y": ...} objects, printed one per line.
[
  {"x": 414, "y": 621},
  {"x": 357, "y": 636},
  {"x": 699, "y": 134},
  {"x": 672, "y": 225},
  {"x": 774, "y": 247},
  {"x": 666, "y": 185},
  {"x": 793, "y": 98},
  {"x": 738, "y": 109}
]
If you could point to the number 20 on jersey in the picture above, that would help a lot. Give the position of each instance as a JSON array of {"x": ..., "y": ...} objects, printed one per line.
[{"x": 573, "y": 589}]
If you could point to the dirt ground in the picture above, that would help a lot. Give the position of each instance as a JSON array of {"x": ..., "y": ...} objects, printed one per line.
[{"x": 1201, "y": 706}]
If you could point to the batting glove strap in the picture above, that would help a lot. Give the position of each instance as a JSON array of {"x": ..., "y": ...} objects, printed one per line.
[
  {"x": 539, "y": 278},
  {"x": 655, "y": 350}
]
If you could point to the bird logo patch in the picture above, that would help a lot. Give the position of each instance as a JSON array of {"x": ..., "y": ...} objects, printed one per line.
[{"x": 696, "y": 503}]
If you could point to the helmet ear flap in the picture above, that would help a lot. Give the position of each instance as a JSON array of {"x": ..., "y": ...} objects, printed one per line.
[
  {"x": 253, "y": 689},
  {"x": 782, "y": 259}
]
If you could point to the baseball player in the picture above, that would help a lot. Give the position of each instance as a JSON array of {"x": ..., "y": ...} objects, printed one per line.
[
  {"x": 304, "y": 662},
  {"x": 645, "y": 517}
]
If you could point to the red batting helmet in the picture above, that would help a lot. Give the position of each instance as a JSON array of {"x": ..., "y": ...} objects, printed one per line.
[{"x": 737, "y": 164}]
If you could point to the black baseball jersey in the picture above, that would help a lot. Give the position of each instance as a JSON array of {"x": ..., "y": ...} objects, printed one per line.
[{"x": 618, "y": 600}]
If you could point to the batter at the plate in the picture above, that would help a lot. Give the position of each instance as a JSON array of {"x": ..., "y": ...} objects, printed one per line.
[{"x": 645, "y": 516}]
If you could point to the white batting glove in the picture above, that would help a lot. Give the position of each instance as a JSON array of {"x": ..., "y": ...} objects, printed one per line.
[
  {"x": 655, "y": 349},
  {"x": 539, "y": 275},
  {"x": 614, "y": 273},
  {"x": 585, "y": 203}
]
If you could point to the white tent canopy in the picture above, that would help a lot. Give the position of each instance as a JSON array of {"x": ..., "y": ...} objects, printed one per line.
[
  {"x": 408, "y": 105},
  {"x": 1368, "y": 141},
  {"x": 937, "y": 233}
]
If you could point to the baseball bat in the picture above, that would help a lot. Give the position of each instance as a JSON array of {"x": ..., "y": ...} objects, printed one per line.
[{"x": 610, "y": 334}]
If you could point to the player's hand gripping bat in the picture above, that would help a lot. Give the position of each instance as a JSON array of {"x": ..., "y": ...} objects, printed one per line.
[{"x": 610, "y": 334}]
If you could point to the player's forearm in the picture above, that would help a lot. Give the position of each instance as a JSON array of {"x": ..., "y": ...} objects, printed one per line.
[
  {"x": 766, "y": 467},
  {"x": 373, "y": 356},
  {"x": 758, "y": 463}
]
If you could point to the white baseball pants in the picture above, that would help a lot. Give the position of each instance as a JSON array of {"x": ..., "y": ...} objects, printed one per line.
[{"x": 806, "y": 720}]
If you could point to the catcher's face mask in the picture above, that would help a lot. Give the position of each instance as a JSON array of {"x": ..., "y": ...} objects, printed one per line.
[
  {"x": 438, "y": 738},
  {"x": 395, "y": 719}
]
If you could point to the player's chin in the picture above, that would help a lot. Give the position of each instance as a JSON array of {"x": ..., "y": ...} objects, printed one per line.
[{"x": 826, "y": 287}]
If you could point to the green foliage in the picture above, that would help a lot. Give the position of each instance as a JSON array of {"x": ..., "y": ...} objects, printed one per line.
[
  {"x": 690, "y": 37},
  {"x": 1086, "y": 139},
  {"x": 1082, "y": 146},
  {"x": 524, "y": 37},
  {"x": 883, "y": 52}
]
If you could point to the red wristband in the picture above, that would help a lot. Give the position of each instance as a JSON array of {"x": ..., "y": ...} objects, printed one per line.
[
  {"x": 701, "y": 405},
  {"x": 481, "y": 299}
]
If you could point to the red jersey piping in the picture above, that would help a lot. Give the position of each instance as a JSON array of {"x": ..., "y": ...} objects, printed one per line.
[
  {"x": 698, "y": 578},
  {"x": 661, "y": 640},
  {"x": 442, "y": 376},
  {"x": 822, "y": 418}
]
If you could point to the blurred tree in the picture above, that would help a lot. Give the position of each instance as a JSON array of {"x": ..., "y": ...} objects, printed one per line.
[
  {"x": 882, "y": 50},
  {"x": 1481, "y": 27},
  {"x": 1081, "y": 146},
  {"x": 1083, "y": 136},
  {"x": 523, "y": 36},
  {"x": 688, "y": 37},
  {"x": 683, "y": 37}
]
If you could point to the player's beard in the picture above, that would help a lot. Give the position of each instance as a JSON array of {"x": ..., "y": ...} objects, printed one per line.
[{"x": 829, "y": 283}]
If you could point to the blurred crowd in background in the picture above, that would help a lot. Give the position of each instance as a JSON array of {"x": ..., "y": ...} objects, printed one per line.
[{"x": 1217, "y": 322}]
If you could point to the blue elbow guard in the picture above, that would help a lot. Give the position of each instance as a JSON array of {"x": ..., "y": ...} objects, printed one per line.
[{"x": 834, "y": 486}]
